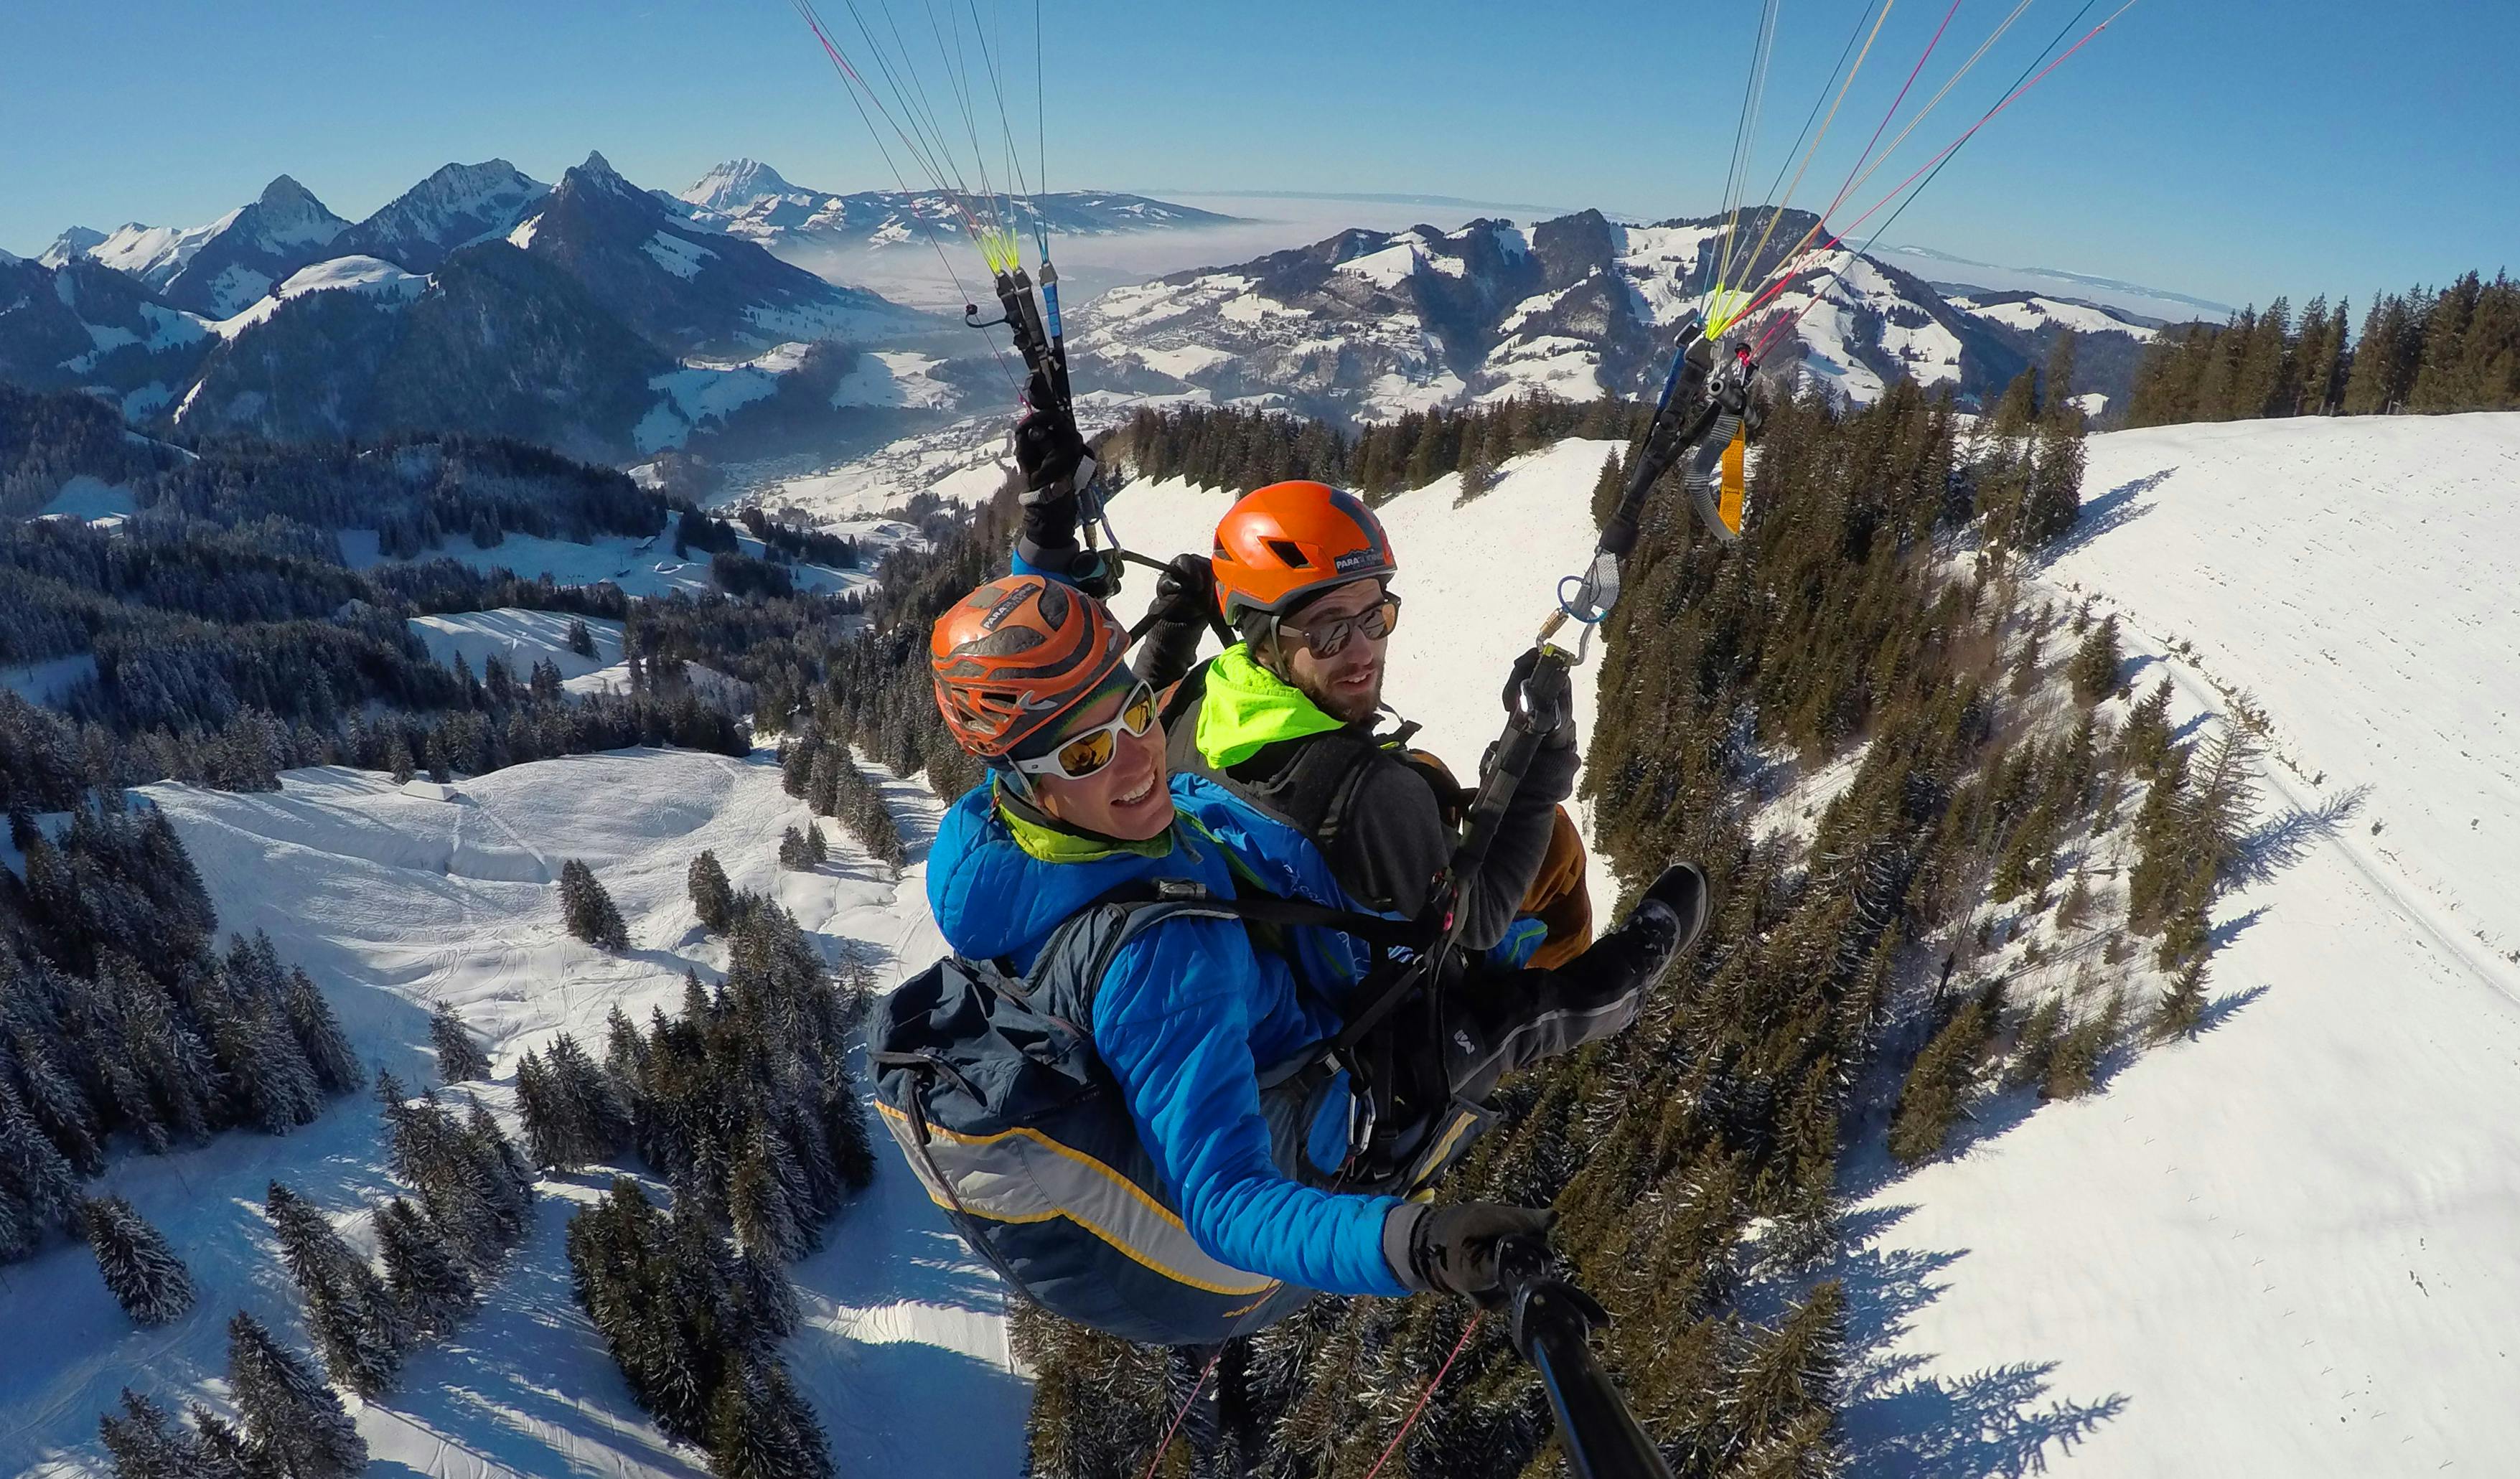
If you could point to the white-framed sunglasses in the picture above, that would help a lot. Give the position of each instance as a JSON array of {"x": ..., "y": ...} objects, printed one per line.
[{"x": 1081, "y": 755}]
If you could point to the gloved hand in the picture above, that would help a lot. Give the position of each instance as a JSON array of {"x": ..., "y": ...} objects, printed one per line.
[
  {"x": 1049, "y": 451},
  {"x": 1546, "y": 702},
  {"x": 1185, "y": 592},
  {"x": 1458, "y": 1249}
]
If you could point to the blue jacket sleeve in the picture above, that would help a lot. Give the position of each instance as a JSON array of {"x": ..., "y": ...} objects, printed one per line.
[{"x": 1171, "y": 1021}]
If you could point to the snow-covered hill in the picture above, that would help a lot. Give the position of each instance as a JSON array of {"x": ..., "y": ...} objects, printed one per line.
[
  {"x": 396, "y": 900},
  {"x": 2283, "y": 1248}
]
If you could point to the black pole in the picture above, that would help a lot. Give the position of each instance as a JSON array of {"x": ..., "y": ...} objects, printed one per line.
[{"x": 1553, "y": 1320}]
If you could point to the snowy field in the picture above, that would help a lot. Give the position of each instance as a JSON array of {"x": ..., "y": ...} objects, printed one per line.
[
  {"x": 639, "y": 566},
  {"x": 396, "y": 900},
  {"x": 2286, "y": 1247}
]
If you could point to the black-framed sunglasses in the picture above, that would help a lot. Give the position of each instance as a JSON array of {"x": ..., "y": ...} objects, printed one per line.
[{"x": 1375, "y": 621}]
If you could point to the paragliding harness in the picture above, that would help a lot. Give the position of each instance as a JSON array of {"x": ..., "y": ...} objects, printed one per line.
[{"x": 989, "y": 1081}]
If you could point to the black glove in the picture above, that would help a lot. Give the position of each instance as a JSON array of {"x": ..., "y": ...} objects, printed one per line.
[
  {"x": 1049, "y": 449},
  {"x": 1185, "y": 592},
  {"x": 1543, "y": 700},
  {"x": 1458, "y": 1249}
]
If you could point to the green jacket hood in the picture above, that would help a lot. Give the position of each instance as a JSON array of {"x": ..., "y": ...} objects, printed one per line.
[{"x": 1247, "y": 707}]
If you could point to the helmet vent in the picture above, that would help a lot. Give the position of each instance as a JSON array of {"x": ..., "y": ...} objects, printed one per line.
[{"x": 1290, "y": 552}]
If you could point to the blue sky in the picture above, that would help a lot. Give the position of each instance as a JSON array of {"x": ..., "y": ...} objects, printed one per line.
[{"x": 2235, "y": 149}]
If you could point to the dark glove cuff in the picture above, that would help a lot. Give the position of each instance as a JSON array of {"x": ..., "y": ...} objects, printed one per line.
[{"x": 1399, "y": 1244}]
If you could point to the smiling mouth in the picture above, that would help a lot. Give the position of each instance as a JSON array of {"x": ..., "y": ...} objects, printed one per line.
[{"x": 1138, "y": 796}]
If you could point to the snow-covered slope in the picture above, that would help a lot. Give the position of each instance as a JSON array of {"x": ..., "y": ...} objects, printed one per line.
[
  {"x": 369, "y": 276},
  {"x": 2283, "y": 1248},
  {"x": 396, "y": 900}
]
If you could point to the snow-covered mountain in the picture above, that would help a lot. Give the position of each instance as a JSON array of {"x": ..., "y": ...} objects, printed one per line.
[
  {"x": 82, "y": 325},
  {"x": 217, "y": 269},
  {"x": 1366, "y": 325},
  {"x": 77, "y": 242},
  {"x": 455, "y": 207},
  {"x": 748, "y": 199},
  {"x": 689, "y": 289}
]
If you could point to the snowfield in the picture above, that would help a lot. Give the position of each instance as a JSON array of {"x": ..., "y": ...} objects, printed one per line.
[
  {"x": 2285, "y": 1247},
  {"x": 396, "y": 900}
]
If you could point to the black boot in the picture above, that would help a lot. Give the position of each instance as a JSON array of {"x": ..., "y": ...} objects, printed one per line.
[{"x": 1666, "y": 920}]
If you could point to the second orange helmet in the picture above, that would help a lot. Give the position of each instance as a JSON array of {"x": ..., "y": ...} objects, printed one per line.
[{"x": 1282, "y": 545}]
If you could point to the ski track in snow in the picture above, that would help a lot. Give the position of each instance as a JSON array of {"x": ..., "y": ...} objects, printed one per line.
[{"x": 393, "y": 900}]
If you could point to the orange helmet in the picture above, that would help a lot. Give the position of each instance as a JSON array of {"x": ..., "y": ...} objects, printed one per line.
[
  {"x": 1016, "y": 653},
  {"x": 1288, "y": 542}
]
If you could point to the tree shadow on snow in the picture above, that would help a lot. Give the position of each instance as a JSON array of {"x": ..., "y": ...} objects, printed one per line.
[
  {"x": 2110, "y": 511},
  {"x": 2232, "y": 928},
  {"x": 2284, "y": 841},
  {"x": 1901, "y": 1419},
  {"x": 2224, "y": 1008}
]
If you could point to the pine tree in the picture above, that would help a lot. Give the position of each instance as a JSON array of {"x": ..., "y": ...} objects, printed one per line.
[
  {"x": 430, "y": 1282},
  {"x": 2145, "y": 740},
  {"x": 589, "y": 910},
  {"x": 220, "y": 1451},
  {"x": 793, "y": 851},
  {"x": 1608, "y": 489},
  {"x": 2095, "y": 668},
  {"x": 580, "y": 640},
  {"x": 2056, "y": 497},
  {"x": 1938, "y": 1084},
  {"x": 760, "y": 1428},
  {"x": 459, "y": 1057},
  {"x": 712, "y": 896},
  {"x": 145, "y": 1443},
  {"x": 2019, "y": 407},
  {"x": 293, "y": 1421},
  {"x": 318, "y": 1032},
  {"x": 138, "y": 1269},
  {"x": 2073, "y": 1068},
  {"x": 2184, "y": 1004},
  {"x": 34, "y": 1173},
  {"x": 356, "y": 1326}
]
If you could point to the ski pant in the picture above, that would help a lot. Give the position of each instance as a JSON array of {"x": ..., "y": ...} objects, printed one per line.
[{"x": 1492, "y": 1022}]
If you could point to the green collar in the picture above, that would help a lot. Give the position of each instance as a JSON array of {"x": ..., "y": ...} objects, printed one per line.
[
  {"x": 1247, "y": 707},
  {"x": 1047, "y": 842}
]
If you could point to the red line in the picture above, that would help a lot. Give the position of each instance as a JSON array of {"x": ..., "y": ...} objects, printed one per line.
[{"x": 1426, "y": 1390}]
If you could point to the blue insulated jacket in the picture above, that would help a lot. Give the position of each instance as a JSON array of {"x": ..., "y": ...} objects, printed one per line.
[{"x": 1187, "y": 1016}]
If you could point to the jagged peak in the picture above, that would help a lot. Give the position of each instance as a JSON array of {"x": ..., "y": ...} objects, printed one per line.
[
  {"x": 284, "y": 191},
  {"x": 737, "y": 183}
]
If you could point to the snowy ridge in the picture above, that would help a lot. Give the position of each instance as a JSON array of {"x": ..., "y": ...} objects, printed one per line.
[{"x": 366, "y": 275}]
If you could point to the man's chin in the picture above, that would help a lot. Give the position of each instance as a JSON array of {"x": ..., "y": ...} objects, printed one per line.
[{"x": 1350, "y": 705}]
